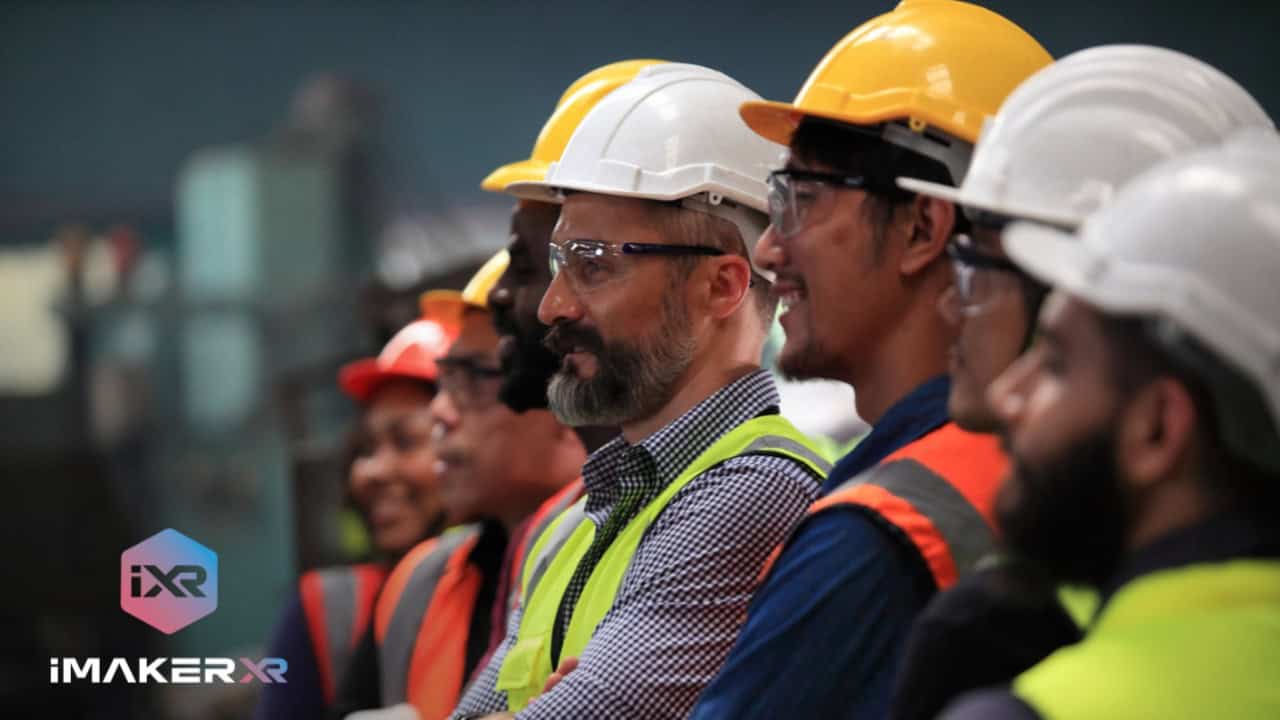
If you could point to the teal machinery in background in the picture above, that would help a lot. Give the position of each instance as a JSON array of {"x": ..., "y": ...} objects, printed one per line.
[{"x": 268, "y": 264}]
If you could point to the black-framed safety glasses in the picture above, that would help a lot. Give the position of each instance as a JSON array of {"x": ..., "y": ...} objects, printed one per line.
[
  {"x": 793, "y": 193},
  {"x": 470, "y": 384},
  {"x": 980, "y": 279},
  {"x": 591, "y": 264}
]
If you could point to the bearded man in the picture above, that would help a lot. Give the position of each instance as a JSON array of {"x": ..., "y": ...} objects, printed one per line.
[{"x": 659, "y": 320}]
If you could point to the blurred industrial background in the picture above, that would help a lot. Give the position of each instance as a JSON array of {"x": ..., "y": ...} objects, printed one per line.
[{"x": 206, "y": 208}]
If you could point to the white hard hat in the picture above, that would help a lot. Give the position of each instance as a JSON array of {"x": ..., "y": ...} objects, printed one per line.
[
  {"x": 1075, "y": 132},
  {"x": 1194, "y": 244},
  {"x": 672, "y": 133}
]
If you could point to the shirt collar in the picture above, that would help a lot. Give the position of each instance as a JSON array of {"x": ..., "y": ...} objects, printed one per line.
[
  {"x": 917, "y": 414},
  {"x": 1226, "y": 536},
  {"x": 671, "y": 448}
]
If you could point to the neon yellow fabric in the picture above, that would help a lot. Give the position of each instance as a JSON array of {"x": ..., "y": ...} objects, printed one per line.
[
  {"x": 1196, "y": 642},
  {"x": 1080, "y": 602},
  {"x": 528, "y": 663}
]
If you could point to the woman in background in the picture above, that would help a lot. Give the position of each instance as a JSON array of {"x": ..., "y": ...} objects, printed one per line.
[{"x": 391, "y": 482}]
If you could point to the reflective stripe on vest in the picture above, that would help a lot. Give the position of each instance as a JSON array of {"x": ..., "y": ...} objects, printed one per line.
[
  {"x": 338, "y": 603},
  {"x": 422, "y": 622},
  {"x": 541, "y": 519},
  {"x": 555, "y": 556},
  {"x": 940, "y": 492},
  {"x": 1200, "y": 641}
]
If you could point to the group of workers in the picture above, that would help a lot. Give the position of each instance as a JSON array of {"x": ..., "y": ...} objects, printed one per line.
[{"x": 1052, "y": 288}]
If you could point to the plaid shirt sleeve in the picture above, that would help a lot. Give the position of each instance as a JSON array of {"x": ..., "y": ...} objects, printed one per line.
[
  {"x": 481, "y": 697},
  {"x": 685, "y": 597}
]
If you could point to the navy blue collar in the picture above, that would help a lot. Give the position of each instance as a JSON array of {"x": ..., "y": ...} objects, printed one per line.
[
  {"x": 922, "y": 411},
  {"x": 1226, "y": 536}
]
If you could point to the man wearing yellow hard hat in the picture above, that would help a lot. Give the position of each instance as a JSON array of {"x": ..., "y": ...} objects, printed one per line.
[
  {"x": 860, "y": 267},
  {"x": 435, "y": 615}
]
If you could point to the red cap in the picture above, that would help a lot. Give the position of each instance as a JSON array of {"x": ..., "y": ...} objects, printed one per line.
[{"x": 412, "y": 353}]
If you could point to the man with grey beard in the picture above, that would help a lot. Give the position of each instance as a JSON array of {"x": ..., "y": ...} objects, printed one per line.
[{"x": 660, "y": 320}]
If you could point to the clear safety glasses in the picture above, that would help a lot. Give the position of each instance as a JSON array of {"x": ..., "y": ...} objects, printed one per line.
[
  {"x": 981, "y": 280},
  {"x": 591, "y": 264},
  {"x": 793, "y": 193}
]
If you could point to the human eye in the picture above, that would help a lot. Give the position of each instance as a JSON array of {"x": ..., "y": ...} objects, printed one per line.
[{"x": 594, "y": 264}]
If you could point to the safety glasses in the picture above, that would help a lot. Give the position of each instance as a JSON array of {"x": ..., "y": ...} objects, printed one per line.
[
  {"x": 793, "y": 193},
  {"x": 592, "y": 264},
  {"x": 471, "y": 385},
  {"x": 981, "y": 280}
]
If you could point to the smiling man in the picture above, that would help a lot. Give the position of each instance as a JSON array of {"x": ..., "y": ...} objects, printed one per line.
[
  {"x": 433, "y": 620},
  {"x": 660, "y": 321},
  {"x": 860, "y": 268}
]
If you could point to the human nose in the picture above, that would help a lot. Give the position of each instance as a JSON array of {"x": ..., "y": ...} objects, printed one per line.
[
  {"x": 445, "y": 411},
  {"x": 769, "y": 253},
  {"x": 559, "y": 302},
  {"x": 1007, "y": 394},
  {"x": 373, "y": 468}
]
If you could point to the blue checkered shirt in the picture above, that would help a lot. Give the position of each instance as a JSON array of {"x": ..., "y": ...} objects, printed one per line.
[{"x": 685, "y": 595}]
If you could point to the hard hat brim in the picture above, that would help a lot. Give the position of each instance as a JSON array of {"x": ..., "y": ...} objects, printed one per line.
[
  {"x": 777, "y": 121},
  {"x": 476, "y": 293},
  {"x": 524, "y": 171},
  {"x": 969, "y": 200},
  {"x": 1062, "y": 260},
  {"x": 443, "y": 306},
  {"x": 360, "y": 379},
  {"x": 546, "y": 192}
]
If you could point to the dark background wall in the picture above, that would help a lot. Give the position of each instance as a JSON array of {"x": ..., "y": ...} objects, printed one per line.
[
  {"x": 101, "y": 106},
  {"x": 103, "y": 101}
]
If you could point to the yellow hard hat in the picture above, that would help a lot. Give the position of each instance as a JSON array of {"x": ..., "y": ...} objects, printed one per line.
[
  {"x": 933, "y": 64},
  {"x": 476, "y": 293},
  {"x": 447, "y": 306},
  {"x": 574, "y": 105}
]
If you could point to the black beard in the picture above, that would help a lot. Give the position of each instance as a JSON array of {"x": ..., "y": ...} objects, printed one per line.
[
  {"x": 1068, "y": 515},
  {"x": 526, "y": 374}
]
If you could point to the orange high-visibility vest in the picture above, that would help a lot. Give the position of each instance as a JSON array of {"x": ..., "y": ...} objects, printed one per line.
[
  {"x": 338, "y": 603},
  {"x": 937, "y": 493},
  {"x": 422, "y": 622}
]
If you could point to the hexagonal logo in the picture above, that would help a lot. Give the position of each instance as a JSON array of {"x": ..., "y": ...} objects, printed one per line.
[{"x": 168, "y": 581}]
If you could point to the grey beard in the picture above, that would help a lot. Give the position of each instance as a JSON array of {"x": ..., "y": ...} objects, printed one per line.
[{"x": 630, "y": 383}]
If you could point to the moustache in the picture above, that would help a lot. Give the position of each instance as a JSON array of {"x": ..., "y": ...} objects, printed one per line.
[{"x": 564, "y": 338}]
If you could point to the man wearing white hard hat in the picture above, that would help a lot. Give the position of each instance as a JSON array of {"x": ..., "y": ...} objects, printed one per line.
[
  {"x": 660, "y": 319},
  {"x": 1059, "y": 148},
  {"x": 1142, "y": 425}
]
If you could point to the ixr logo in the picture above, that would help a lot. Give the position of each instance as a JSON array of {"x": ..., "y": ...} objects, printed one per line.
[{"x": 168, "y": 581}]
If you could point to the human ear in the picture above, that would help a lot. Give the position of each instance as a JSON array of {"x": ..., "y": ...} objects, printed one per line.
[
  {"x": 932, "y": 222},
  {"x": 1156, "y": 431},
  {"x": 727, "y": 282}
]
